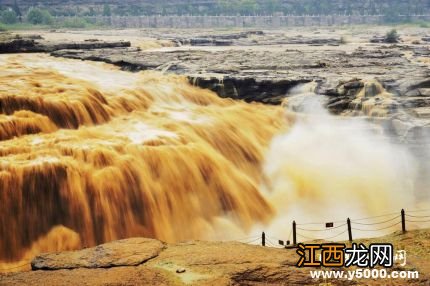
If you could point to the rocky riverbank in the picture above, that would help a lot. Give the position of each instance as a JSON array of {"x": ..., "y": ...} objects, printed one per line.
[
  {"x": 383, "y": 81},
  {"x": 389, "y": 83}
]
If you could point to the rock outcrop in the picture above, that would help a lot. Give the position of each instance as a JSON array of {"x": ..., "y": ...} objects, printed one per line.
[
  {"x": 266, "y": 77},
  {"x": 16, "y": 44},
  {"x": 130, "y": 252},
  {"x": 343, "y": 76},
  {"x": 140, "y": 261}
]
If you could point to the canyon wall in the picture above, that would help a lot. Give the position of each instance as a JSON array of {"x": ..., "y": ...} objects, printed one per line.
[
  {"x": 239, "y": 21},
  {"x": 222, "y": 7}
]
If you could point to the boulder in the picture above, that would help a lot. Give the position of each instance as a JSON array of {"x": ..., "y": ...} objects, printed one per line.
[{"x": 127, "y": 252}]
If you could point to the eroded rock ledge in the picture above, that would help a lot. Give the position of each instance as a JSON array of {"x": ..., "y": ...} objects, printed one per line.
[
  {"x": 142, "y": 261},
  {"x": 129, "y": 252},
  {"x": 10, "y": 43},
  {"x": 268, "y": 76}
]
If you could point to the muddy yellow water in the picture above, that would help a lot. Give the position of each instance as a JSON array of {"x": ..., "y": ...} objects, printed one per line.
[{"x": 90, "y": 154}]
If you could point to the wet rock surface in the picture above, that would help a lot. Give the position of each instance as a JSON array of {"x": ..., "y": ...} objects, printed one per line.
[
  {"x": 10, "y": 43},
  {"x": 385, "y": 84},
  {"x": 268, "y": 76},
  {"x": 241, "y": 38},
  {"x": 375, "y": 80},
  {"x": 266, "y": 65}
]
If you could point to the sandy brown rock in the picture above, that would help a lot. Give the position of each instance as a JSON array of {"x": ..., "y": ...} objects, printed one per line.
[
  {"x": 204, "y": 263},
  {"x": 223, "y": 263},
  {"x": 92, "y": 277},
  {"x": 127, "y": 252}
]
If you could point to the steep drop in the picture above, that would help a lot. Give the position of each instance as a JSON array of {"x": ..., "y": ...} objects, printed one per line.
[{"x": 91, "y": 154}]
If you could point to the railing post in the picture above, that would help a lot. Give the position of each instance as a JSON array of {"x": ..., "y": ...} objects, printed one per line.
[
  {"x": 403, "y": 221},
  {"x": 263, "y": 239},
  {"x": 348, "y": 222},
  {"x": 294, "y": 233}
]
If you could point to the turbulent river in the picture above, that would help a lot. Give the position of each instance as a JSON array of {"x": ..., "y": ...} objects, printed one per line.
[{"x": 90, "y": 154}]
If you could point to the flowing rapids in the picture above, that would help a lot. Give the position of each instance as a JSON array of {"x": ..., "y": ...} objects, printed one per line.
[{"x": 90, "y": 154}]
